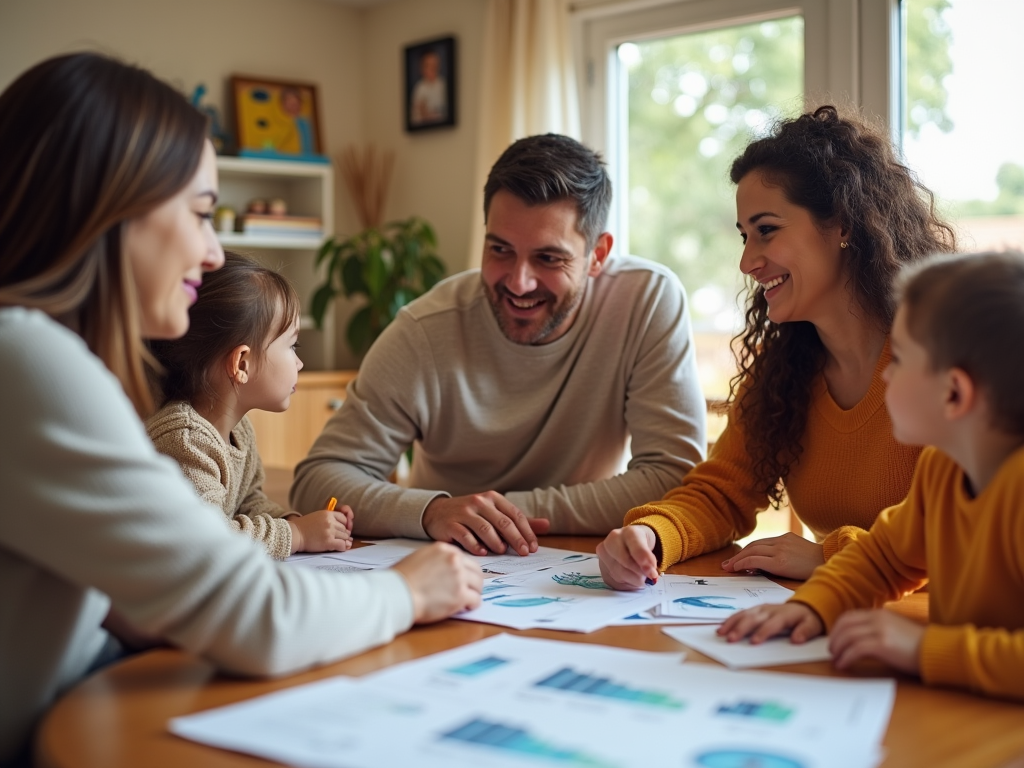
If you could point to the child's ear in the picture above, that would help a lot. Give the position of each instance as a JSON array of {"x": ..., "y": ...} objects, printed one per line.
[
  {"x": 239, "y": 364},
  {"x": 961, "y": 394}
]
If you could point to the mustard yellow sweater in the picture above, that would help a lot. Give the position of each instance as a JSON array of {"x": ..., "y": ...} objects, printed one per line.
[
  {"x": 851, "y": 468},
  {"x": 970, "y": 552}
]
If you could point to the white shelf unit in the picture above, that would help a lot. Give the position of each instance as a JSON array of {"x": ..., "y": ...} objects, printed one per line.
[{"x": 308, "y": 189}]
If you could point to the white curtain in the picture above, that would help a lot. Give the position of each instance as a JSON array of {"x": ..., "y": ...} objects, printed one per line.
[{"x": 528, "y": 86}]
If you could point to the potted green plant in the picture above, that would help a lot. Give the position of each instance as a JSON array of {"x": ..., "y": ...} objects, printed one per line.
[{"x": 390, "y": 264}]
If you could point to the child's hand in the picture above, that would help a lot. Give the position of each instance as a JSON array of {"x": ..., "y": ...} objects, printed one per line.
[
  {"x": 877, "y": 634},
  {"x": 442, "y": 581},
  {"x": 788, "y": 555},
  {"x": 322, "y": 531},
  {"x": 627, "y": 557},
  {"x": 767, "y": 621}
]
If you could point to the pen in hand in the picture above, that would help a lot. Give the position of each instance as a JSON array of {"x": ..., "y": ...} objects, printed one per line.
[{"x": 332, "y": 504}]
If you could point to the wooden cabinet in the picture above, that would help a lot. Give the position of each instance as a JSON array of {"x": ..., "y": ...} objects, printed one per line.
[{"x": 284, "y": 439}]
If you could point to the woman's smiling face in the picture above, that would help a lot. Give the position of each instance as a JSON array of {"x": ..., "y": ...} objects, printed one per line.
[{"x": 797, "y": 261}]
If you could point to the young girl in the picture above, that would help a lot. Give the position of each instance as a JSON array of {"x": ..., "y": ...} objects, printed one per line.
[
  {"x": 953, "y": 383},
  {"x": 238, "y": 354}
]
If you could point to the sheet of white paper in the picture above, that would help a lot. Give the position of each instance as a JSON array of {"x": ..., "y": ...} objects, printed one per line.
[
  {"x": 718, "y": 597},
  {"x": 509, "y": 701},
  {"x": 647, "y": 617},
  {"x": 386, "y": 552},
  {"x": 326, "y": 561},
  {"x": 571, "y": 598},
  {"x": 743, "y": 655}
]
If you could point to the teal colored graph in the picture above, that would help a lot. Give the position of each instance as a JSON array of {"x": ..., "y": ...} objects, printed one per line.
[
  {"x": 576, "y": 579},
  {"x": 760, "y": 710},
  {"x": 479, "y": 666},
  {"x": 737, "y": 758},
  {"x": 493, "y": 586},
  {"x": 529, "y": 601},
  {"x": 498, "y": 736},
  {"x": 568, "y": 679},
  {"x": 702, "y": 602}
]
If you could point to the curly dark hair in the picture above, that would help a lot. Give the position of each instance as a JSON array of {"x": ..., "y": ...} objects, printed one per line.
[{"x": 844, "y": 171}]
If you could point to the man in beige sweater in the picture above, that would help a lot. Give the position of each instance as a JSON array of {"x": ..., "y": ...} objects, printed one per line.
[{"x": 549, "y": 391}]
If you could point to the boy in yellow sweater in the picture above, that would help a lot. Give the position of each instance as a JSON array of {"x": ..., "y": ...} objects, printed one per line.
[{"x": 955, "y": 382}]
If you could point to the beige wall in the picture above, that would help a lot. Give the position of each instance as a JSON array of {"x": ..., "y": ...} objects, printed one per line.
[
  {"x": 353, "y": 54},
  {"x": 434, "y": 174}
]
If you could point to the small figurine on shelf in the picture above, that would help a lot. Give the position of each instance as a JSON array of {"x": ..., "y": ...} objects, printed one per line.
[
  {"x": 278, "y": 207},
  {"x": 257, "y": 206},
  {"x": 224, "y": 219}
]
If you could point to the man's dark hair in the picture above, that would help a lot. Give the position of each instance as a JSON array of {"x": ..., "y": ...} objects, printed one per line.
[{"x": 548, "y": 168}]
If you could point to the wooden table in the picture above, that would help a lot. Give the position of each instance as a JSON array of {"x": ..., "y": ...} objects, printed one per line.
[{"x": 118, "y": 717}]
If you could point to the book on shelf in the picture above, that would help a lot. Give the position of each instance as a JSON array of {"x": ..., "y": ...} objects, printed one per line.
[{"x": 267, "y": 224}]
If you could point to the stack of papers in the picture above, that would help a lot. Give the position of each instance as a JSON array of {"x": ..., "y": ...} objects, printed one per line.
[{"x": 509, "y": 701}]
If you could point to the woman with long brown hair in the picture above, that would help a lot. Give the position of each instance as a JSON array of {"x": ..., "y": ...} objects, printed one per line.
[
  {"x": 108, "y": 185},
  {"x": 828, "y": 215}
]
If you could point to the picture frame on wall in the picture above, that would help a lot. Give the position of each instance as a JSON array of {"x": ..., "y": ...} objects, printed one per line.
[
  {"x": 430, "y": 69},
  {"x": 277, "y": 119}
]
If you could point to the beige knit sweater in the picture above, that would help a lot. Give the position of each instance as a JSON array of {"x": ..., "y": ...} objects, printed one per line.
[{"x": 228, "y": 476}]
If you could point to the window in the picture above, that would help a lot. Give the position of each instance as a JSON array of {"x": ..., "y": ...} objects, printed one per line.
[{"x": 961, "y": 117}]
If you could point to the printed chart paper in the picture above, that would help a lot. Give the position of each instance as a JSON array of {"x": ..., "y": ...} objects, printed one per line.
[
  {"x": 743, "y": 655},
  {"x": 387, "y": 552},
  {"x": 572, "y": 598},
  {"x": 718, "y": 597},
  {"x": 519, "y": 702}
]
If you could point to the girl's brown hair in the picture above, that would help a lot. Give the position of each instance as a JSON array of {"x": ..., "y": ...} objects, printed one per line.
[
  {"x": 845, "y": 172},
  {"x": 967, "y": 311},
  {"x": 86, "y": 144},
  {"x": 243, "y": 302}
]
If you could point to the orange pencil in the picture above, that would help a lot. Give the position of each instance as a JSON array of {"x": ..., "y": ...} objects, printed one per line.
[{"x": 332, "y": 504}]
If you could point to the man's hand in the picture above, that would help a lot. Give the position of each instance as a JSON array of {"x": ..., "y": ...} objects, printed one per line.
[
  {"x": 877, "y": 634},
  {"x": 627, "y": 557},
  {"x": 442, "y": 581},
  {"x": 482, "y": 522},
  {"x": 788, "y": 555},
  {"x": 767, "y": 621}
]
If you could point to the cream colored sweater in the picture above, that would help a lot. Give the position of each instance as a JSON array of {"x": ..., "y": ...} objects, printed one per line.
[
  {"x": 91, "y": 515},
  {"x": 579, "y": 431},
  {"x": 228, "y": 476}
]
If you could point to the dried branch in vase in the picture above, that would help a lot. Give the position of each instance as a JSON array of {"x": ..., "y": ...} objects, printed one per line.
[{"x": 367, "y": 176}]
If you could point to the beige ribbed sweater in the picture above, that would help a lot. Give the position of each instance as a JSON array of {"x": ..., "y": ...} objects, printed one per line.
[{"x": 228, "y": 476}]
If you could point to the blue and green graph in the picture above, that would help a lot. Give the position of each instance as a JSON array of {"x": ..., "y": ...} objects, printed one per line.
[
  {"x": 502, "y": 737},
  {"x": 568, "y": 679},
  {"x": 760, "y": 710},
  {"x": 479, "y": 667},
  {"x": 741, "y": 758}
]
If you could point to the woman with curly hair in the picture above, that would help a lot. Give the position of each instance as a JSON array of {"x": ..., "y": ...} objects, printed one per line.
[{"x": 828, "y": 215}]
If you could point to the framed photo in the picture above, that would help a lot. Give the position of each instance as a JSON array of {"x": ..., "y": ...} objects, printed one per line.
[
  {"x": 430, "y": 84},
  {"x": 276, "y": 118}
]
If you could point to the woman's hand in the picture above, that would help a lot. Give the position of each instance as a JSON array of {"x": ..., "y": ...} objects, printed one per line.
[
  {"x": 442, "y": 581},
  {"x": 767, "y": 621},
  {"x": 627, "y": 557},
  {"x": 877, "y": 634},
  {"x": 788, "y": 555}
]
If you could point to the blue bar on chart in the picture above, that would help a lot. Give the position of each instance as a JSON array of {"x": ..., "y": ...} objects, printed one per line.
[
  {"x": 761, "y": 710},
  {"x": 568, "y": 679},
  {"x": 502, "y": 737},
  {"x": 479, "y": 666}
]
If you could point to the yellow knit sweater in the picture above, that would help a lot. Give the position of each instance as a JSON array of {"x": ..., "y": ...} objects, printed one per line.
[
  {"x": 968, "y": 549},
  {"x": 851, "y": 468}
]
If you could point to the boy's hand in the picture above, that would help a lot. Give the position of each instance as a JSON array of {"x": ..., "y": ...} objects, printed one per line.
[
  {"x": 627, "y": 557},
  {"x": 442, "y": 581},
  {"x": 767, "y": 621},
  {"x": 481, "y": 522},
  {"x": 877, "y": 634},
  {"x": 322, "y": 531},
  {"x": 788, "y": 555}
]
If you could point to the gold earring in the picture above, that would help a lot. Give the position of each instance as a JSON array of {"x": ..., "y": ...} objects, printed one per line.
[{"x": 844, "y": 244}]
